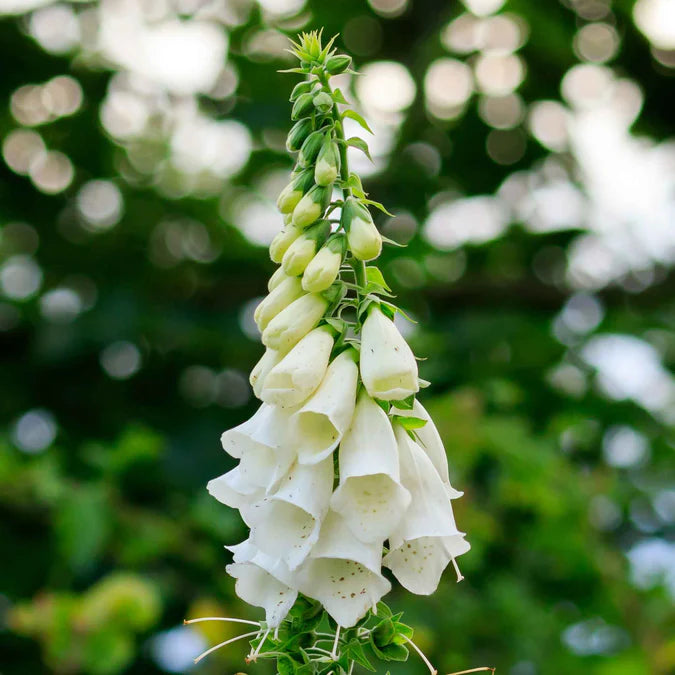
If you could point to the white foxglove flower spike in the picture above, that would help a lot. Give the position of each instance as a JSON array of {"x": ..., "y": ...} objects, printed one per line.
[
  {"x": 316, "y": 429},
  {"x": 300, "y": 372},
  {"x": 286, "y": 524},
  {"x": 431, "y": 443},
  {"x": 388, "y": 366},
  {"x": 370, "y": 497},
  {"x": 343, "y": 573}
]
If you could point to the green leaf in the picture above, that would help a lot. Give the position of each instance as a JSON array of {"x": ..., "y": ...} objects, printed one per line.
[
  {"x": 381, "y": 207},
  {"x": 354, "y": 651},
  {"x": 375, "y": 276},
  {"x": 394, "y": 652},
  {"x": 360, "y": 144},
  {"x": 353, "y": 115},
  {"x": 385, "y": 405},
  {"x": 338, "y": 324},
  {"x": 406, "y": 403},
  {"x": 383, "y": 633},
  {"x": 338, "y": 97},
  {"x": 409, "y": 423}
]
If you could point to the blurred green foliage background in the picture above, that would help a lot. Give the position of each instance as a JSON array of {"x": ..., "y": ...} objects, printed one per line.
[{"x": 527, "y": 150}]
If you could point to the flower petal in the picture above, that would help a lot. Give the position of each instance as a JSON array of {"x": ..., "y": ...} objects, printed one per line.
[
  {"x": 286, "y": 525},
  {"x": 370, "y": 496},
  {"x": 316, "y": 429}
]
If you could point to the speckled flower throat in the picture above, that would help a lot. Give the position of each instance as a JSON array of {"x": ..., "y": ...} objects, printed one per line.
[{"x": 341, "y": 471}]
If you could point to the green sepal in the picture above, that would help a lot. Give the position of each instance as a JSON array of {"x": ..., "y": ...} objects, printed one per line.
[
  {"x": 355, "y": 652},
  {"x": 406, "y": 403},
  {"x": 409, "y": 423},
  {"x": 354, "y": 183},
  {"x": 385, "y": 405}
]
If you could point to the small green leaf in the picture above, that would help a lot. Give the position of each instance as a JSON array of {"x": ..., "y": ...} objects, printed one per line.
[
  {"x": 352, "y": 114},
  {"x": 375, "y": 276},
  {"x": 385, "y": 405},
  {"x": 383, "y": 633},
  {"x": 338, "y": 324},
  {"x": 354, "y": 651},
  {"x": 409, "y": 423},
  {"x": 406, "y": 403},
  {"x": 338, "y": 97},
  {"x": 394, "y": 652},
  {"x": 360, "y": 144},
  {"x": 381, "y": 207}
]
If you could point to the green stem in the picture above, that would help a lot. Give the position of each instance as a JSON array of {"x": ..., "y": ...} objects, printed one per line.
[{"x": 358, "y": 265}]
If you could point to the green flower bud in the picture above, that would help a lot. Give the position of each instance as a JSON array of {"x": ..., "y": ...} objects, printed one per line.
[
  {"x": 282, "y": 241},
  {"x": 365, "y": 242},
  {"x": 312, "y": 206},
  {"x": 327, "y": 163},
  {"x": 304, "y": 248},
  {"x": 293, "y": 192},
  {"x": 324, "y": 267},
  {"x": 310, "y": 148},
  {"x": 302, "y": 107},
  {"x": 298, "y": 134},
  {"x": 323, "y": 102},
  {"x": 338, "y": 64},
  {"x": 301, "y": 88}
]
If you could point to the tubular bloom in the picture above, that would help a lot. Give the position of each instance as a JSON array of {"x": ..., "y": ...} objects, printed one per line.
[{"x": 340, "y": 471}]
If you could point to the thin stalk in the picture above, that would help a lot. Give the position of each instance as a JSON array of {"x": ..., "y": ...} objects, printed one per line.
[
  {"x": 223, "y": 644},
  {"x": 220, "y": 618},
  {"x": 432, "y": 670}
]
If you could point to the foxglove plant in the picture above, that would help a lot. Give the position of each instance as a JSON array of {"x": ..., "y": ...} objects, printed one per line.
[{"x": 341, "y": 470}]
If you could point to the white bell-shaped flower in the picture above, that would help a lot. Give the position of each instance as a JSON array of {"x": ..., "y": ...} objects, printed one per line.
[
  {"x": 284, "y": 294},
  {"x": 427, "y": 537},
  {"x": 286, "y": 524},
  {"x": 316, "y": 429},
  {"x": 300, "y": 372},
  {"x": 261, "y": 369},
  {"x": 388, "y": 366},
  {"x": 418, "y": 564},
  {"x": 431, "y": 443},
  {"x": 263, "y": 582},
  {"x": 278, "y": 276},
  {"x": 234, "y": 490},
  {"x": 288, "y": 327},
  {"x": 343, "y": 573},
  {"x": 370, "y": 497}
]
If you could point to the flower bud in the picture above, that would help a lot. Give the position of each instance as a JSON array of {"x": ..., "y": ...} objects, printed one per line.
[
  {"x": 312, "y": 206},
  {"x": 388, "y": 366},
  {"x": 288, "y": 327},
  {"x": 365, "y": 242},
  {"x": 276, "y": 279},
  {"x": 298, "y": 133},
  {"x": 290, "y": 196},
  {"x": 310, "y": 148},
  {"x": 303, "y": 249},
  {"x": 327, "y": 163},
  {"x": 323, "y": 102},
  {"x": 283, "y": 295},
  {"x": 300, "y": 372},
  {"x": 282, "y": 241},
  {"x": 302, "y": 107},
  {"x": 261, "y": 369},
  {"x": 338, "y": 64},
  {"x": 301, "y": 88},
  {"x": 324, "y": 267}
]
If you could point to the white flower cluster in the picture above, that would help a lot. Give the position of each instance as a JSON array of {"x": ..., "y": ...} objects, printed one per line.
[
  {"x": 341, "y": 471},
  {"x": 319, "y": 522}
]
